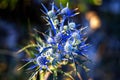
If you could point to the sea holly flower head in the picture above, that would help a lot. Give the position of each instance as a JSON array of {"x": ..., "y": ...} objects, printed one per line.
[
  {"x": 76, "y": 35},
  {"x": 72, "y": 25},
  {"x": 42, "y": 61},
  {"x": 50, "y": 40},
  {"x": 65, "y": 11},
  {"x": 68, "y": 47},
  {"x": 61, "y": 44},
  {"x": 51, "y": 14}
]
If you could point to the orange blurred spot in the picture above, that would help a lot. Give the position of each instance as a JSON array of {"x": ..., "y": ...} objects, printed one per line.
[{"x": 94, "y": 20}]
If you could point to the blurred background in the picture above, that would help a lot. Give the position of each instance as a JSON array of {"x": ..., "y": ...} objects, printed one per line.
[{"x": 18, "y": 18}]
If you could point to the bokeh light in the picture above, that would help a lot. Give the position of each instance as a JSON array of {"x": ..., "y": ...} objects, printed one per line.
[{"x": 94, "y": 20}]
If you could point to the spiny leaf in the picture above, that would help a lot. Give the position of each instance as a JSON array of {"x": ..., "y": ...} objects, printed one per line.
[
  {"x": 32, "y": 67},
  {"x": 33, "y": 75},
  {"x": 44, "y": 8},
  {"x": 24, "y": 65},
  {"x": 24, "y": 48}
]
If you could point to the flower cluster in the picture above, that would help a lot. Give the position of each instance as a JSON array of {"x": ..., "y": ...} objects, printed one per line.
[{"x": 63, "y": 42}]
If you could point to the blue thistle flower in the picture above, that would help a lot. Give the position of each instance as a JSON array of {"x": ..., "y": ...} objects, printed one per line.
[
  {"x": 67, "y": 12},
  {"x": 42, "y": 61},
  {"x": 61, "y": 46},
  {"x": 50, "y": 17},
  {"x": 72, "y": 26},
  {"x": 68, "y": 47},
  {"x": 51, "y": 40}
]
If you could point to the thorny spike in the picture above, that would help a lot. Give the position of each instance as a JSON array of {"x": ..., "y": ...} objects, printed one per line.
[
  {"x": 67, "y": 5},
  {"x": 52, "y": 26},
  {"x": 43, "y": 12},
  {"x": 83, "y": 28},
  {"x": 44, "y": 8},
  {"x": 75, "y": 14},
  {"x": 61, "y": 7},
  {"x": 53, "y": 6},
  {"x": 76, "y": 9},
  {"x": 32, "y": 67}
]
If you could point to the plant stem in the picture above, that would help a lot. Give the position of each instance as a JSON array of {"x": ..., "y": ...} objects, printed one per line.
[
  {"x": 44, "y": 75},
  {"x": 41, "y": 76}
]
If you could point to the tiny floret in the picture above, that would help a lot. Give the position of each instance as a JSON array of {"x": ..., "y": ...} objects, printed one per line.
[{"x": 72, "y": 25}]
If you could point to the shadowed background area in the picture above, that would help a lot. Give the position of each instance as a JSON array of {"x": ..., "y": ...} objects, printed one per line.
[{"x": 18, "y": 18}]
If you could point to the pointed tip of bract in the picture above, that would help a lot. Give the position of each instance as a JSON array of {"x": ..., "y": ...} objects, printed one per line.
[
  {"x": 44, "y": 7},
  {"x": 67, "y": 5},
  {"x": 52, "y": 6}
]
